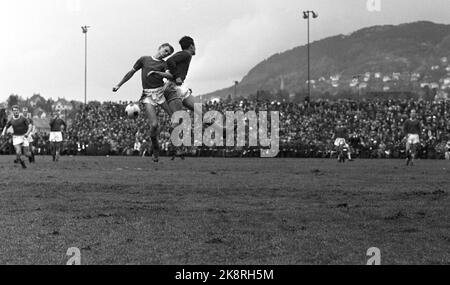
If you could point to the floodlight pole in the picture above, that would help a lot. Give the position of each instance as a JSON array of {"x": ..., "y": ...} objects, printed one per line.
[
  {"x": 307, "y": 15},
  {"x": 85, "y": 30}
]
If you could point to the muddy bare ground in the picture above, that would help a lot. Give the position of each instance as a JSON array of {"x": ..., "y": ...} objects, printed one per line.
[{"x": 128, "y": 210}]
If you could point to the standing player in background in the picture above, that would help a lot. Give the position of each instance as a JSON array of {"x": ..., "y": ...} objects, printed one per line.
[
  {"x": 340, "y": 135},
  {"x": 21, "y": 130},
  {"x": 57, "y": 126},
  {"x": 30, "y": 140},
  {"x": 153, "y": 72},
  {"x": 447, "y": 150},
  {"x": 411, "y": 129}
]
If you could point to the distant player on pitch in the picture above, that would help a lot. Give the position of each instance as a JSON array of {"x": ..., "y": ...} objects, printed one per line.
[
  {"x": 341, "y": 135},
  {"x": 57, "y": 126},
  {"x": 153, "y": 71},
  {"x": 22, "y": 130},
  {"x": 29, "y": 141},
  {"x": 412, "y": 129}
]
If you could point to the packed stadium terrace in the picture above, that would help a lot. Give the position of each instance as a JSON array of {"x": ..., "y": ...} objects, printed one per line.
[{"x": 306, "y": 129}]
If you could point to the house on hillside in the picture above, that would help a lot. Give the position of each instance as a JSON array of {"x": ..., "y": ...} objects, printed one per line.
[
  {"x": 39, "y": 113},
  {"x": 415, "y": 76},
  {"x": 61, "y": 105},
  {"x": 441, "y": 96},
  {"x": 42, "y": 125},
  {"x": 35, "y": 99},
  {"x": 362, "y": 85}
]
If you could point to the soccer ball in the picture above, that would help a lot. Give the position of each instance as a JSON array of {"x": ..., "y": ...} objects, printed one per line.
[{"x": 132, "y": 110}]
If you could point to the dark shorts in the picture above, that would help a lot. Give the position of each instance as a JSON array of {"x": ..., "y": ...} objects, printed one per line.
[{"x": 172, "y": 91}]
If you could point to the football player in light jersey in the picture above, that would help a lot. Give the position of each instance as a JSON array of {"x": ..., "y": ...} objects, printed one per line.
[
  {"x": 30, "y": 140},
  {"x": 22, "y": 130},
  {"x": 153, "y": 71},
  {"x": 412, "y": 129},
  {"x": 447, "y": 150},
  {"x": 340, "y": 135}
]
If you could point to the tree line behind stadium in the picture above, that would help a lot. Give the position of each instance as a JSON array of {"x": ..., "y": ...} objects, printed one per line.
[{"x": 306, "y": 128}]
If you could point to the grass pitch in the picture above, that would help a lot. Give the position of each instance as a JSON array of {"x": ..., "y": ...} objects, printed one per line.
[{"x": 128, "y": 210}]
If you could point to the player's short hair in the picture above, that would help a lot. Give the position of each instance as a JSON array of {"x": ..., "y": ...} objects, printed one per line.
[
  {"x": 167, "y": 45},
  {"x": 15, "y": 107},
  {"x": 186, "y": 42}
]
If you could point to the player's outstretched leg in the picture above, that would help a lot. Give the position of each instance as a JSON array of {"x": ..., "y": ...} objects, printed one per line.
[
  {"x": 32, "y": 150},
  {"x": 189, "y": 102},
  {"x": 27, "y": 153},
  {"x": 413, "y": 154},
  {"x": 154, "y": 130},
  {"x": 175, "y": 105},
  {"x": 18, "y": 149},
  {"x": 408, "y": 153},
  {"x": 166, "y": 108},
  {"x": 57, "y": 151},
  {"x": 52, "y": 150}
]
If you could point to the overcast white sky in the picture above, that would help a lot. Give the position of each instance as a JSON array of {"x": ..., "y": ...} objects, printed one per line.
[{"x": 42, "y": 47}]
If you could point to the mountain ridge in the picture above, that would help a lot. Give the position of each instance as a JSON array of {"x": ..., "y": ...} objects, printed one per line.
[{"x": 385, "y": 49}]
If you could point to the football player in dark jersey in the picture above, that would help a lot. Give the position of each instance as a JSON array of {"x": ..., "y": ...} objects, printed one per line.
[
  {"x": 153, "y": 71},
  {"x": 21, "y": 131},
  {"x": 411, "y": 130}
]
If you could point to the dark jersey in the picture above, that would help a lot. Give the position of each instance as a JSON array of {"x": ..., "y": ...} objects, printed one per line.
[
  {"x": 412, "y": 127},
  {"x": 55, "y": 125},
  {"x": 178, "y": 64},
  {"x": 20, "y": 125},
  {"x": 341, "y": 132},
  {"x": 147, "y": 64}
]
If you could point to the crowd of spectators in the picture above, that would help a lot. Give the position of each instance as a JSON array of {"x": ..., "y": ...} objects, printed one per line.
[{"x": 306, "y": 129}]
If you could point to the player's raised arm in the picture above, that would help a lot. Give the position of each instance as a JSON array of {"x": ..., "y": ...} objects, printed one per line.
[{"x": 138, "y": 65}]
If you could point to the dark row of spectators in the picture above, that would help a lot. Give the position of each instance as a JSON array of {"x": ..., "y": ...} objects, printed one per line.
[{"x": 306, "y": 129}]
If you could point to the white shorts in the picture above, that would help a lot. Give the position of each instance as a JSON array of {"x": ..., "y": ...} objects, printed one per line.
[
  {"x": 339, "y": 141},
  {"x": 19, "y": 140},
  {"x": 153, "y": 96},
  {"x": 412, "y": 139},
  {"x": 56, "y": 137}
]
